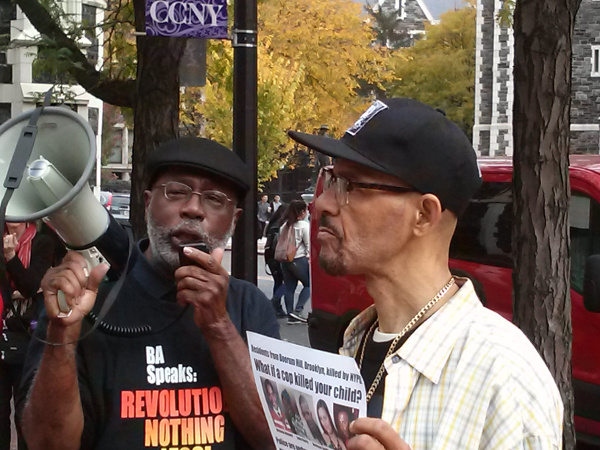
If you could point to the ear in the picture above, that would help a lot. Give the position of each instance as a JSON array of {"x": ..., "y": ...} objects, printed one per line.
[
  {"x": 147, "y": 198},
  {"x": 429, "y": 211},
  {"x": 236, "y": 215}
]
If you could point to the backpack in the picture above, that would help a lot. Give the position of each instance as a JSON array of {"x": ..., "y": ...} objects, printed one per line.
[
  {"x": 285, "y": 250},
  {"x": 271, "y": 243}
]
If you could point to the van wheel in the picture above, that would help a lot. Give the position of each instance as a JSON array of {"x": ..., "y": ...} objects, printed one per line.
[{"x": 476, "y": 283}]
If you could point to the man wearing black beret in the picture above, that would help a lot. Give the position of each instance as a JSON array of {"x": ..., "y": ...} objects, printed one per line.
[
  {"x": 188, "y": 382},
  {"x": 441, "y": 371}
]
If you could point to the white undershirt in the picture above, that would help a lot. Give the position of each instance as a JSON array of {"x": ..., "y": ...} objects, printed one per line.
[{"x": 378, "y": 336}]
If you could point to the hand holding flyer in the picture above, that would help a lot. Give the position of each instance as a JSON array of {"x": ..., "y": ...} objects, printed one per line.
[{"x": 310, "y": 397}]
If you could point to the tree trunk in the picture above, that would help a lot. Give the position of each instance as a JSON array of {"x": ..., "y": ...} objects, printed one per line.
[
  {"x": 156, "y": 111},
  {"x": 542, "y": 76},
  {"x": 115, "y": 92}
]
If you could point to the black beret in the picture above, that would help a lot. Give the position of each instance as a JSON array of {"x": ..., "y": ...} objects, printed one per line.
[{"x": 203, "y": 154}]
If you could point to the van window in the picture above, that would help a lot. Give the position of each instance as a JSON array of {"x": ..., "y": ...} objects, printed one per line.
[
  {"x": 584, "y": 217},
  {"x": 483, "y": 235}
]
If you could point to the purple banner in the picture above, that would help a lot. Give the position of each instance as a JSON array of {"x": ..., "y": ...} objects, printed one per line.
[{"x": 187, "y": 18}]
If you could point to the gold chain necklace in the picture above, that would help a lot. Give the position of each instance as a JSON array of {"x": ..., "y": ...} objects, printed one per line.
[{"x": 405, "y": 330}]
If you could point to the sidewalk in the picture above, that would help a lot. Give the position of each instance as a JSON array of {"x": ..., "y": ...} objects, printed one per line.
[{"x": 260, "y": 245}]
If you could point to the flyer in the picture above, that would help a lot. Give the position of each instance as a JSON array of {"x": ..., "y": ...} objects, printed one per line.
[{"x": 310, "y": 397}]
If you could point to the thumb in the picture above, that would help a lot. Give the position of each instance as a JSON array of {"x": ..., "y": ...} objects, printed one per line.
[
  {"x": 217, "y": 254},
  {"x": 96, "y": 276}
]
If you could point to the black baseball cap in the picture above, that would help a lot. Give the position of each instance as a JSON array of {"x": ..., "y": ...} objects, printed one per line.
[
  {"x": 203, "y": 154},
  {"x": 412, "y": 141}
]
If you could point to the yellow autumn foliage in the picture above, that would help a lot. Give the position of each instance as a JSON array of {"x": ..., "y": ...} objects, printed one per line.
[{"x": 312, "y": 58}]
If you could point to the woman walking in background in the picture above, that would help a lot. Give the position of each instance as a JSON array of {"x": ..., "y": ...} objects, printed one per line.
[
  {"x": 298, "y": 269},
  {"x": 272, "y": 234},
  {"x": 27, "y": 255}
]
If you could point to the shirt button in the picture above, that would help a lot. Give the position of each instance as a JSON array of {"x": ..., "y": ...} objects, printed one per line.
[{"x": 395, "y": 359}]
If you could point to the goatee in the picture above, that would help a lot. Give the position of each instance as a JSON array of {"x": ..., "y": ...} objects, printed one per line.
[{"x": 164, "y": 256}]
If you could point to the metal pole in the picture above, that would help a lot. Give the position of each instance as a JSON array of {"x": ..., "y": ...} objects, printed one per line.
[{"x": 245, "y": 141}]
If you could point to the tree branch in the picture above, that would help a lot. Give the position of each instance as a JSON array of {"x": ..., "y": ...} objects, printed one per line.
[{"x": 115, "y": 92}]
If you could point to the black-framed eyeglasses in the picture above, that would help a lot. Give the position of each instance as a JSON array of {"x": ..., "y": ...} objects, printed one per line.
[
  {"x": 211, "y": 200},
  {"x": 342, "y": 186}
]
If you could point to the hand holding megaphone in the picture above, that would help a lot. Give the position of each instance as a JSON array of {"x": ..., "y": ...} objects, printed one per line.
[
  {"x": 76, "y": 284},
  {"x": 93, "y": 258}
]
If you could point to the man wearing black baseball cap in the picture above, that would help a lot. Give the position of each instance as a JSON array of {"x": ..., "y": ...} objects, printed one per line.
[
  {"x": 188, "y": 381},
  {"x": 441, "y": 371}
]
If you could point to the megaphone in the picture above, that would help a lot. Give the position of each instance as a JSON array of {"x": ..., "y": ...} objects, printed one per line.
[{"x": 55, "y": 185}]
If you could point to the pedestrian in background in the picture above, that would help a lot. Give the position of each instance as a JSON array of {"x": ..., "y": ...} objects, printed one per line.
[
  {"x": 272, "y": 234},
  {"x": 297, "y": 270},
  {"x": 276, "y": 203},
  {"x": 262, "y": 215}
]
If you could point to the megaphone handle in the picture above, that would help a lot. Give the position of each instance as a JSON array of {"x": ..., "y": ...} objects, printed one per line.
[
  {"x": 65, "y": 311},
  {"x": 93, "y": 258}
]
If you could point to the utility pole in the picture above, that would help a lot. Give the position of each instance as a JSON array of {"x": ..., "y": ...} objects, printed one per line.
[{"x": 245, "y": 141}]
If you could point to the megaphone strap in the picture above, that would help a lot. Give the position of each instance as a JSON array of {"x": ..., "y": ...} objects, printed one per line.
[{"x": 24, "y": 147}]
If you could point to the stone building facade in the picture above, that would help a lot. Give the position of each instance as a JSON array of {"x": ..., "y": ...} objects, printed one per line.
[
  {"x": 494, "y": 90},
  {"x": 411, "y": 14},
  {"x": 585, "y": 94}
]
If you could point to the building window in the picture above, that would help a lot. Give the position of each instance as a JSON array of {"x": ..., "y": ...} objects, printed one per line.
[
  {"x": 5, "y": 69},
  {"x": 8, "y": 12},
  {"x": 93, "y": 118},
  {"x": 399, "y": 7},
  {"x": 595, "y": 60},
  {"x": 4, "y": 112},
  {"x": 88, "y": 16}
]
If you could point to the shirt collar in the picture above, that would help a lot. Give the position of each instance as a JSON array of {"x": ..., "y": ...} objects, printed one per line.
[
  {"x": 151, "y": 280},
  {"x": 430, "y": 346}
]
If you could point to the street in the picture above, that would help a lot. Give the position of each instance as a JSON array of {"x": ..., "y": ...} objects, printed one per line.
[{"x": 297, "y": 333}]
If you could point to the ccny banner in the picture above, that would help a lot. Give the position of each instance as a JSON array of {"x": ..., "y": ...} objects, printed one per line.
[{"x": 187, "y": 18}]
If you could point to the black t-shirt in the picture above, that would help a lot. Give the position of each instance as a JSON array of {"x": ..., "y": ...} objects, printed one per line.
[
  {"x": 162, "y": 390},
  {"x": 374, "y": 356}
]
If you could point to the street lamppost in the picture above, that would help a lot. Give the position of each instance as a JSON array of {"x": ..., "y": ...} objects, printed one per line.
[{"x": 245, "y": 131}]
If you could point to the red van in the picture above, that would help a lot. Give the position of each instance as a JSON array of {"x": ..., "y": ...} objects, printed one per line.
[{"x": 481, "y": 250}]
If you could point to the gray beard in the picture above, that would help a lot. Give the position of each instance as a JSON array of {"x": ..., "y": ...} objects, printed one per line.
[{"x": 164, "y": 257}]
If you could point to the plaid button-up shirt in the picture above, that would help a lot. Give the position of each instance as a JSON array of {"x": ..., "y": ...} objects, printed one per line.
[{"x": 467, "y": 379}]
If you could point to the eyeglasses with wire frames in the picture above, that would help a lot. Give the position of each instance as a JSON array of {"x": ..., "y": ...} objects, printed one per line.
[
  {"x": 211, "y": 200},
  {"x": 342, "y": 186}
]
